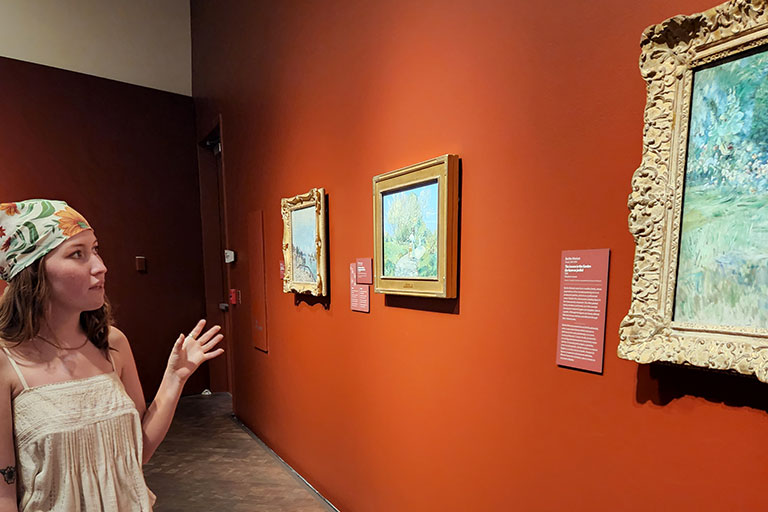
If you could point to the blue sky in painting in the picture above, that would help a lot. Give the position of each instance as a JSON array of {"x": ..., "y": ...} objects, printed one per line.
[
  {"x": 303, "y": 229},
  {"x": 427, "y": 196}
]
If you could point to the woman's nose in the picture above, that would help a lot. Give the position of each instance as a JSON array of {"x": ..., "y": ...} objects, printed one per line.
[{"x": 99, "y": 267}]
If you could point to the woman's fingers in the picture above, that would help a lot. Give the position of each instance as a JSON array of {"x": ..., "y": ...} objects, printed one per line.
[
  {"x": 195, "y": 333},
  {"x": 215, "y": 353},
  {"x": 209, "y": 345},
  {"x": 178, "y": 343},
  {"x": 206, "y": 342},
  {"x": 209, "y": 334},
  {"x": 198, "y": 329}
]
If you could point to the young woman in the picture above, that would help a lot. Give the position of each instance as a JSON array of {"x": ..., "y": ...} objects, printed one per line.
[{"x": 74, "y": 427}]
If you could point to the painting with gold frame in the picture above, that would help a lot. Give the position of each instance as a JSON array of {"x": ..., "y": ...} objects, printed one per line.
[
  {"x": 304, "y": 246},
  {"x": 415, "y": 226},
  {"x": 700, "y": 277}
]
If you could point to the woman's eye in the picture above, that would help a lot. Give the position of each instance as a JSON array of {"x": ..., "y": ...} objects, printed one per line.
[
  {"x": 96, "y": 249},
  {"x": 77, "y": 254}
]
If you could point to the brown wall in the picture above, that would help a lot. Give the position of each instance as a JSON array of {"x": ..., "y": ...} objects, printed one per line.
[
  {"x": 412, "y": 410},
  {"x": 125, "y": 157}
]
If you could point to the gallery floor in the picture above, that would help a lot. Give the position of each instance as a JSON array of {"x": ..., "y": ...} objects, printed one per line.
[{"x": 210, "y": 462}]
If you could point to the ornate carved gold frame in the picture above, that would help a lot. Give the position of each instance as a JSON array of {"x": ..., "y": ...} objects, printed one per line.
[
  {"x": 315, "y": 198},
  {"x": 670, "y": 53}
]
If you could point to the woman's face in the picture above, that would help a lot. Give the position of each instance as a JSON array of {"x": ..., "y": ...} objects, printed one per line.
[{"x": 76, "y": 273}]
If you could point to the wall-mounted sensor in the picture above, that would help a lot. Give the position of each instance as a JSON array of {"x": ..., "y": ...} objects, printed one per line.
[
  {"x": 229, "y": 256},
  {"x": 141, "y": 264}
]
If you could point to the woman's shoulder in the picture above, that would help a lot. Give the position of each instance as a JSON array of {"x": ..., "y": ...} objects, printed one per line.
[
  {"x": 119, "y": 348},
  {"x": 7, "y": 373},
  {"x": 117, "y": 339},
  {"x": 5, "y": 345}
]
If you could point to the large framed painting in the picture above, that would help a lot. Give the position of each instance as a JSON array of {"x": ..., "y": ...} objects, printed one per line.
[
  {"x": 415, "y": 226},
  {"x": 699, "y": 200},
  {"x": 304, "y": 247}
]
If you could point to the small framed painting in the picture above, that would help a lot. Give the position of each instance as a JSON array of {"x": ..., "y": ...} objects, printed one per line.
[
  {"x": 304, "y": 247},
  {"x": 415, "y": 215}
]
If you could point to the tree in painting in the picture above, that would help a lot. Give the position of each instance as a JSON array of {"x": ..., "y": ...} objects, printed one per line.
[{"x": 410, "y": 232}]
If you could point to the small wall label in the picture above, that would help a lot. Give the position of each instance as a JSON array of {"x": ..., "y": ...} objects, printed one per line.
[{"x": 583, "y": 300}]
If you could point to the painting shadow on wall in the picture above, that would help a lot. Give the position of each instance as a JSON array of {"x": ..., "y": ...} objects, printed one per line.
[
  {"x": 324, "y": 301},
  {"x": 450, "y": 306},
  {"x": 662, "y": 383}
]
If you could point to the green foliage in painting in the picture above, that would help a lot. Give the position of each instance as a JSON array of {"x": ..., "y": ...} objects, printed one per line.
[
  {"x": 410, "y": 232},
  {"x": 728, "y": 144},
  {"x": 723, "y": 261}
]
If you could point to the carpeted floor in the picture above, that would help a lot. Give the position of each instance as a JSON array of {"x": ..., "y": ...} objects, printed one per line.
[{"x": 209, "y": 462}]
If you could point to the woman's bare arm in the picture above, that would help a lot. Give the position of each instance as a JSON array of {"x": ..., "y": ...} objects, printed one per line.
[
  {"x": 8, "y": 468},
  {"x": 187, "y": 355}
]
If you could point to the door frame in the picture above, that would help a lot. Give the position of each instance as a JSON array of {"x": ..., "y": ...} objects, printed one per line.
[{"x": 215, "y": 238}]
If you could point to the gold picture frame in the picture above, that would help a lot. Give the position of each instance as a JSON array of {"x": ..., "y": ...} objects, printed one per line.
[
  {"x": 673, "y": 52},
  {"x": 304, "y": 246},
  {"x": 415, "y": 226}
]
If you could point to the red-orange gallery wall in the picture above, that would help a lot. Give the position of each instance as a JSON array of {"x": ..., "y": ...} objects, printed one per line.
[
  {"x": 416, "y": 407},
  {"x": 124, "y": 156}
]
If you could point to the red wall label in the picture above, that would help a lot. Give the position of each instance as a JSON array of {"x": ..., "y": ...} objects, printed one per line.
[
  {"x": 361, "y": 298},
  {"x": 359, "y": 294},
  {"x": 581, "y": 322},
  {"x": 364, "y": 273}
]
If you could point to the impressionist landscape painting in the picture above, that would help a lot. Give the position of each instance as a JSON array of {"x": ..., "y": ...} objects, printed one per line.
[
  {"x": 723, "y": 261},
  {"x": 303, "y": 235},
  {"x": 410, "y": 231}
]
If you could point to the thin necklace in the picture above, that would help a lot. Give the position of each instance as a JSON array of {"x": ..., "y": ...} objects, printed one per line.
[{"x": 58, "y": 345}]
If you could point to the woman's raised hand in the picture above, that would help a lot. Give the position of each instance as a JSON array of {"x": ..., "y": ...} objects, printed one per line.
[{"x": 190, "y": 351}]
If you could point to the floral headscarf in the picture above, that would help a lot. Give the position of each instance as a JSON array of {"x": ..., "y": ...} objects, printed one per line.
[{"x": 31, "y": 229}]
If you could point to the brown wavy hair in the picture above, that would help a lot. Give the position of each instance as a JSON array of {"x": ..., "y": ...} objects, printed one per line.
[{"x": 23, "y": 305}]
